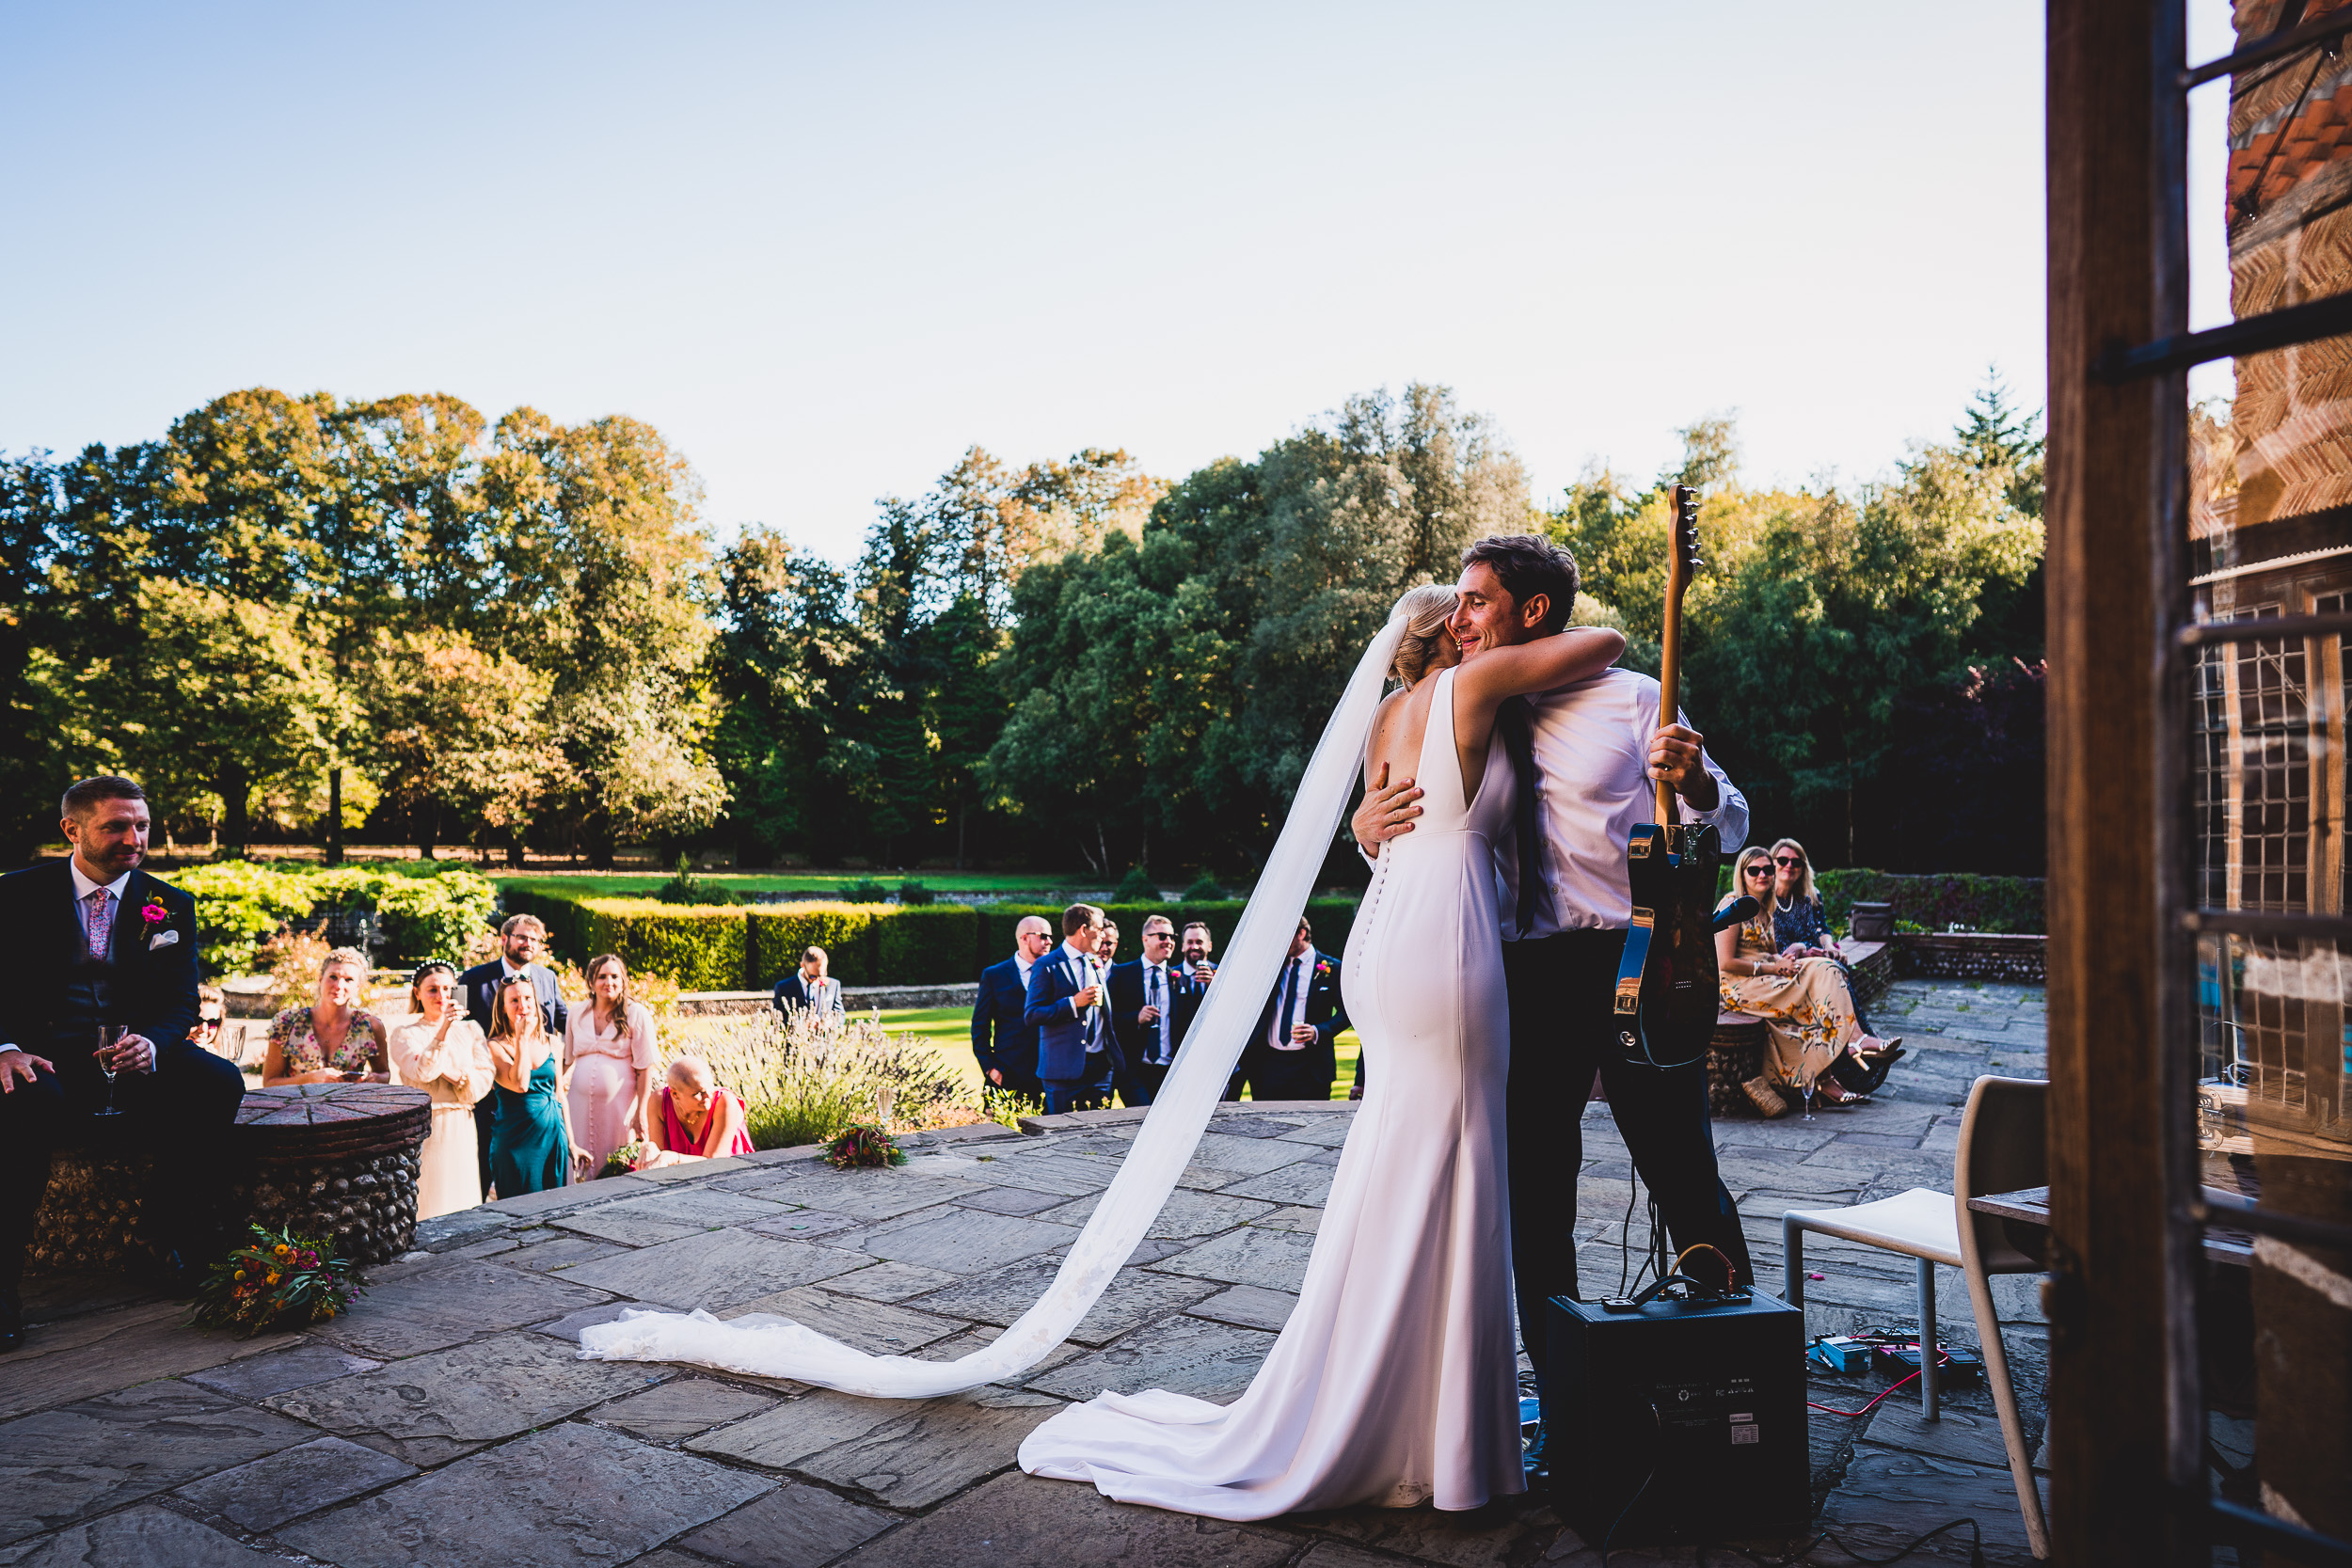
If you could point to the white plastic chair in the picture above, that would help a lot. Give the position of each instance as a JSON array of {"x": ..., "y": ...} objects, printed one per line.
[{"x": 2001, "y": 1150}]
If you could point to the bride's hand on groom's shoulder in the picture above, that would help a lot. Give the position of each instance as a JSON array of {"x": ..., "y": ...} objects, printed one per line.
[{"x": 1389, "y": 808}]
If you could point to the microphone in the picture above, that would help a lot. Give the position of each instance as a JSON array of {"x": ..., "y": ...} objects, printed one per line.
[{"x": 1734, "y": 912}]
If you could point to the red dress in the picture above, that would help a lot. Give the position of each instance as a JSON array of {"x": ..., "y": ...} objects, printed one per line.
[{"x": 681, "y": 1139}]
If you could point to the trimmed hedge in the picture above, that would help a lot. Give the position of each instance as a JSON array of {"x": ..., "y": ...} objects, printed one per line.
[
  {"x": 1934, "y": 901},
  {"x": 710, "y": 947}
]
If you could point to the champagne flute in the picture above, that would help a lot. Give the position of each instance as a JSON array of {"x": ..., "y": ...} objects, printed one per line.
[
  {"x": 1808, "y": 1100},
  {"x": 109, "y": 1037}
]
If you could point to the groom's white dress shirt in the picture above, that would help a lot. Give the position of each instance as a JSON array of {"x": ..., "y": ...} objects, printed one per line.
[{"x": 1593, "y": 787}]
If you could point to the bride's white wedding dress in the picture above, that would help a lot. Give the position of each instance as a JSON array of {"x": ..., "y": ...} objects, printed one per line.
[{"x": 1395, "y": 1380}]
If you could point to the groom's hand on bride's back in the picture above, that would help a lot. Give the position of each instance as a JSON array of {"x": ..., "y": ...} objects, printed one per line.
[
  {"x": 1389, "y": 808},
  {"x": 1678, "y": 755}
]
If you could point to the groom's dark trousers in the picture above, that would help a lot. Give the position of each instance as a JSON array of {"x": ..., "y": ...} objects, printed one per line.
[{"x": 1562, "y": 1029}]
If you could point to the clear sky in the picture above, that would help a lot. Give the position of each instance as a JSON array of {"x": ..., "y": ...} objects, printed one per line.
[{"x": 824, "y": 248}]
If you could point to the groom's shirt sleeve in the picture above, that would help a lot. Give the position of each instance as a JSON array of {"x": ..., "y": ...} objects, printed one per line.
[{"x": 1730, "y": 815}]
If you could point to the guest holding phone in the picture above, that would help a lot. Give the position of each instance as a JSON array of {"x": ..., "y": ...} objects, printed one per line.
[
  {"x": 444, "y": 1054},
  {"x": 532, "y": 1148},
  {"x": 333, "y": 1040}
]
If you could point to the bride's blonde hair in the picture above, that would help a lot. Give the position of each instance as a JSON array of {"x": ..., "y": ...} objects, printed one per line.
[{"x": 1426, "y": 610}]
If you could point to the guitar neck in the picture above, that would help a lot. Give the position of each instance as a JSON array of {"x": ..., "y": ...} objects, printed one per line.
[{"x": 1682, "y": 511}]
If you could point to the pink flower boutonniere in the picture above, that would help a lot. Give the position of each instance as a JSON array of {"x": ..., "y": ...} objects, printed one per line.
[
  {"x": 155, "y": 914},
  {"x": 1322, "y": 966}
]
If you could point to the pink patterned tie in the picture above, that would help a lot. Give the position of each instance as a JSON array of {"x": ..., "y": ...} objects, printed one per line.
[{"x": 101, "y": 927}]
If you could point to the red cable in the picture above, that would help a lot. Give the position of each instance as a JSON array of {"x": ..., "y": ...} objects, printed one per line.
[{"x": 1941, "y": 1359}]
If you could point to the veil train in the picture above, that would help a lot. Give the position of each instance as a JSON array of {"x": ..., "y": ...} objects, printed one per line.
[{"x": 767, "y": 1346}]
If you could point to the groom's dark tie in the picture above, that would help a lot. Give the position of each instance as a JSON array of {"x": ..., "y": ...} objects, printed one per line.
[{"x": 1515, "y": 719}]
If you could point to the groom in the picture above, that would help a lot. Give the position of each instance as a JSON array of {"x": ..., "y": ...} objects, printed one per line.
[{"x": 1587, "y": 770}]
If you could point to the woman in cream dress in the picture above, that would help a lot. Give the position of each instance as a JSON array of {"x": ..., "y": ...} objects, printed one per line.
[
  {"x": 609, "y": 1051},
  {"x": 443, "y": 1053},
  {"x": 1806, "y": 1007}
]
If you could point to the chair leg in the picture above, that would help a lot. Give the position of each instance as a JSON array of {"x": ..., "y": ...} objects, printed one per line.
[
  {"x": 1792, "y": 1261},
  {"x": 2005, "y": 1401},
  {"x": 1928, "y": 1380}
]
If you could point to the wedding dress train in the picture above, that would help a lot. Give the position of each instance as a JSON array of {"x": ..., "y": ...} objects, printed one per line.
[{"x": 1395, "y": 1380}]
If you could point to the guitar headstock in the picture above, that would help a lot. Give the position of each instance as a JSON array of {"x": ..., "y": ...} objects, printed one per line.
[{"x": 1682, "y": 548}]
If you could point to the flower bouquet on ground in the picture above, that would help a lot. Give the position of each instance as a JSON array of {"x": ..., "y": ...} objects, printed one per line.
[
  {"x": 278, "y": 1280},
  {"x": 863, "y": 1143},
  {"x": 632, "y": 1156}
]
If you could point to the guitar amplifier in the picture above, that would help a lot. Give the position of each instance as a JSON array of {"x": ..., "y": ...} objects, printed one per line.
[{"x": 1686, "y": 1418}]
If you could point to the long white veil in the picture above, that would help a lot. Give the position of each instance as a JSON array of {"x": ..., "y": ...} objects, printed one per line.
[{"x": 768, "y": 1346}]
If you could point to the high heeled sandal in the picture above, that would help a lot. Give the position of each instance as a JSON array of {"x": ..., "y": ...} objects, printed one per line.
[{"x": 1765, "y": 1098}]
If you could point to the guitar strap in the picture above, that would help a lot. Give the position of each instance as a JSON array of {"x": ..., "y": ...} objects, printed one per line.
[{"x": 1515, "y": 719}]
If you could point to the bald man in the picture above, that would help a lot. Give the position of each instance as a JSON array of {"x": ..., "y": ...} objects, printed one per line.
[{"x": 1005, "y": 1046}]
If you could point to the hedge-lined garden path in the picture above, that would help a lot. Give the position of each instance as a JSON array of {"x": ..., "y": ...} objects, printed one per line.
[{"x": 448, "y": 1420}]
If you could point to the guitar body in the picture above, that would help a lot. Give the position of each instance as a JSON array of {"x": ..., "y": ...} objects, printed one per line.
[
  {"x": 1666, "y": 998},
  {"x": 1667, "y": 995}
]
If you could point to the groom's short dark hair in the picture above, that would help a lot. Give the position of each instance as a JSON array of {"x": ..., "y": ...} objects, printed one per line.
[{"x": 1530, "y": 565}]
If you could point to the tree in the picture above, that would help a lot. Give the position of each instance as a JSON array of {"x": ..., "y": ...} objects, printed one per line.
[
  {"x": 460, "y": 739},
  {"x": 218, "y": 694}
]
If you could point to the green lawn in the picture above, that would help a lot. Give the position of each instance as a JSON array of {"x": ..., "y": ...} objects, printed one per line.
[{"x": 951, "y": 1029}]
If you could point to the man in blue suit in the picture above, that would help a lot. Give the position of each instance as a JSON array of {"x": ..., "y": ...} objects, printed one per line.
[
  {"x": 1076, "y": 1055},
  {"x": 1004, "y": 1044}
]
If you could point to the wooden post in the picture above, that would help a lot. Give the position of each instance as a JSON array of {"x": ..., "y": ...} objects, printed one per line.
[{"x": 2114, "y": 1327}]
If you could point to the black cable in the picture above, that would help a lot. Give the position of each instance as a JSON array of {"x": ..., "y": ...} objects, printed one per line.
[
  {"x": 1625, "y": 1235},
  {"x": 1656, "y": 1451}
]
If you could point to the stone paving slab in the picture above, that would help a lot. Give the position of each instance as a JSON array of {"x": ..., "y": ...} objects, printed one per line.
[
  {"x": 1133, "y": 1298},
  {"x": 1211, "y": 1361},
  {"x": 430, "y": 1409},
  {"x": 960, "y": 1241},
  {"x": 715, "y": 1269},
  {"x": 1505, "y": 1536},
  {"x": 1184, "y": 1216},
  {"x": 275, "y": 1370},
  {"x": 865, "y": 1196},
  {"x": 529, "y": 1505},
  {"x": 1247, "y": 1307},
  {"x": 265, "y": 1494},
  {"x": 65, "y": 1465},
  {"x": 1307, "y": 1181},
  {"x": 410, "y": 1308},
  {"x": 685, "y": 1408},
  {"x": 875, "y": 1327},
  {"x": 888, "y": 1281},
  {"x": 1019, "y": 1521},
  {"x": 143, "y": 1537},
  {"x": 793, "y": 1527},
  {"x": 799, "y": 1225},
  {"x": 905, "y": 1454},
  {"x": 666, "y": 1217},
  {"x": 96, "y": 1355},
  {"x": 1256, "y": 1255}
]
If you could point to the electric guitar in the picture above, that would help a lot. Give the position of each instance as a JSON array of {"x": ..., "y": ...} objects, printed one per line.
[{"x": 1666, "y": 998}]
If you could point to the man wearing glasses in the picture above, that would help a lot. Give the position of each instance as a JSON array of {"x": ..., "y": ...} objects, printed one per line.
[{"x": 1152, "y": 1001}]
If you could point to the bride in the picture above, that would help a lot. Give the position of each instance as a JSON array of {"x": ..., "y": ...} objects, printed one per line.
[{"x": 1392, "y": 1382}]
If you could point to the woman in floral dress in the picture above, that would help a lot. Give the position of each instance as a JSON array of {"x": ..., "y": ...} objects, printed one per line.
[
  {"x": 1806, "y": 1007},
  {"x": 333, "y": 1039}
]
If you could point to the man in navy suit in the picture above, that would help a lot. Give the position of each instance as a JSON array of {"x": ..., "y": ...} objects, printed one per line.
[
  {"x": 521, "y": 936},
  {"x": 1002, "y": 1041},
  {"x": 1153, "y": 1002},
  {"x": 94, "y": 943},
  {"x": 1076, "y": 1053},
  {"x": 1289, "y": 1057}
]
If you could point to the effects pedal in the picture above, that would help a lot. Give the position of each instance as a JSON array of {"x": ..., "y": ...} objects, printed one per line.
[{"x": 1958, "y": 1368}]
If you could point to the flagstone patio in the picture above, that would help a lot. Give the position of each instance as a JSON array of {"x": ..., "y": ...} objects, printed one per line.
[{"x": 449, "y": 1420}]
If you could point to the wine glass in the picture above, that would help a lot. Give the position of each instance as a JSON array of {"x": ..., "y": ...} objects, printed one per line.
[
  {"x": 109, "y": 1037},
  {"x": 1808, "y": 1100}
]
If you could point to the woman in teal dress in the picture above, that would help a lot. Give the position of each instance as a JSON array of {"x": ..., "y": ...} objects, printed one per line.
[{"x": 532, "y": 1148}]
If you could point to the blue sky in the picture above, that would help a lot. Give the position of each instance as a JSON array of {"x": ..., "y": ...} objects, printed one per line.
[{"x": 824, "y": 250}]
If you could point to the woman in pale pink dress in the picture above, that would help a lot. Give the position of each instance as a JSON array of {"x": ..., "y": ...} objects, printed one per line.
[{"x": 608, "y": 1049}]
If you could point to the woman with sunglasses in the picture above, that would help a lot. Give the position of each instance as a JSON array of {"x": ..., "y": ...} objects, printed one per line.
[
  {"x": 212, "y": 1023},
  {"x": 1806, "y": 1007},
  {"x": 1799, "y": 923}
]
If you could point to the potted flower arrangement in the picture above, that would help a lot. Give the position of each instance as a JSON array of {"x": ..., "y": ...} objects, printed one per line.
[{"x": 278, "y": 1280}]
